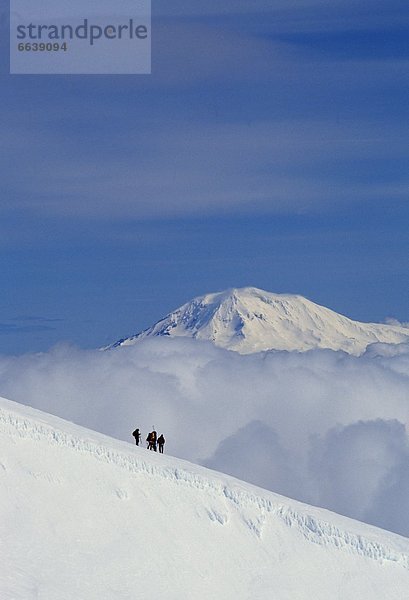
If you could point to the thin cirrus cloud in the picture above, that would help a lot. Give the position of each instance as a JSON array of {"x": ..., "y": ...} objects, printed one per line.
[
  {"x": 23, "y": 324},
  {"x": 263, "y": 168},
  {"x": 226, "y": 152},
  {"x": 302, "y": 8},
  {"x": 37, "y": 319},
  {"x": 12, "y": 329},
  {"x": 323, "y": 427}
]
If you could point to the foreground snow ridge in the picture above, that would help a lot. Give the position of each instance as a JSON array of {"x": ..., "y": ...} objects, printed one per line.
[
  {"x": 53, "y": 471},
  {"x": 313, "y": 529},
  {"x": 249, "y": 320}
]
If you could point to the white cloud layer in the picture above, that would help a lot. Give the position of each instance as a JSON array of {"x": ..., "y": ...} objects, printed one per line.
[
  {"x": 393, "y": 321},
  {"x": 322, "y": 427}
]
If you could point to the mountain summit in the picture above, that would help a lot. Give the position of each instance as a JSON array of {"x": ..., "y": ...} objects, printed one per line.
[{"x": 251, "y": 320}]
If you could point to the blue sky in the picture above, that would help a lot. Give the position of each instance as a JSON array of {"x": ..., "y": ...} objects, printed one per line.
[{"x": 268, "y": 148}]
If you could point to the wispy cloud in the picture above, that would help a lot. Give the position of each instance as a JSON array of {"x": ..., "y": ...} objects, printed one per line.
[
  {"x": 249, "y": 122},
  {"x": 393, "y": 321},
  {"x": 295, "y": 15},
  {"x": 209, "y": 166},
  {"x": 35, "y": 319},
  {"x": 264, "y": 167},
  {"x": 26, "y": 324},
  {"x": 11, "y": 329}
]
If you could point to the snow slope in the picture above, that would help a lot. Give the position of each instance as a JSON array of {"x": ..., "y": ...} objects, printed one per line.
[
  {"x": 251, "y": 320},
  {"x": 86, "y": 517}
]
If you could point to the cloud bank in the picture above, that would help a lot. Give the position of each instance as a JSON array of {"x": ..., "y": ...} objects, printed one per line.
[{"x": 322, "y": 426}]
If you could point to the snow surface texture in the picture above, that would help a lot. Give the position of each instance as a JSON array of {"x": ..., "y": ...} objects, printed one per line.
[
  {"x": 324, "y": 427},
  {"x": 88, "y": 517},
  {"x": 251, "y": 320}
]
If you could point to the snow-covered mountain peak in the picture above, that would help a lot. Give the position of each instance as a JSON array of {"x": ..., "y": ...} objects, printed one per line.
[{"x": 252, "y": 320}]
